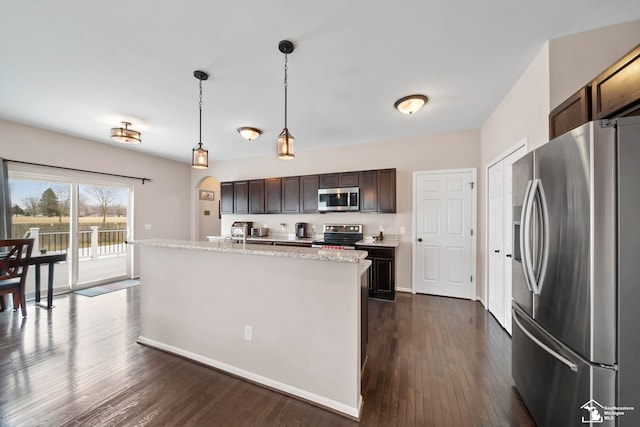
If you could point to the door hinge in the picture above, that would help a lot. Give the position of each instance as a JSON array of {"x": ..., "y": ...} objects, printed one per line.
[
  {"x": 471, "y": 183},
  {"x": 472, "y": 231},
  {"x": 471, "y": 279}
]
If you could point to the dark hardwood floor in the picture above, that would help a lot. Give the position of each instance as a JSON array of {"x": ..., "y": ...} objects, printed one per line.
[{"x": 432, "y": 362}]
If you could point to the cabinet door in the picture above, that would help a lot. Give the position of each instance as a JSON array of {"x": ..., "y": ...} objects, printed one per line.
[
  {"x": 618, "y": 88},
  {"x": 572, "y": 113},
  {"x": 382, "y": 276},
  {"x": 309, "y": 193},
  {"x": 329, "y": 180},
  {"x": 291, "y": 194},
  {"x": 383, "y": 285},
  {"x": 226, "y": 197},
  {"x": 387, "y": 190},
  {"x": 273, "y": 195},
  {"x": 241, "y": 197},
  {"x": 368, "y": 191},
  {"x": 256, "y": 196},
  {"x": 349, "y": 179}
]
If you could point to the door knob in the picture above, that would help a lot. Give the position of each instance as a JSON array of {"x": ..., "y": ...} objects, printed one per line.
[
  {"x": 508, "y": 255},
  {"x": 419, "y": 239},
  {"x": 497, "y": 251}
]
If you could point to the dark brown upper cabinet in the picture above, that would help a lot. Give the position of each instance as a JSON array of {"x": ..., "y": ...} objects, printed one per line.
[
  {"x": 273, "y": 195},
  {"x": 309, "y": 193},
  {"x": 368, "y": 191},
  {"x": 572, "y": 113},
  {"x": 299, "y": 194},
  {"x": 378, "y": 191},
  {"x": 335, "y": 180},
  {"x": 226, "y": 197},
  {"x": 241, "y": 197},
  {"x": 256, "y": 196},
  {"x": 617, "y": 89},
  {"x": 291, "y": 194},
  {"x": 387, "y": 190}
]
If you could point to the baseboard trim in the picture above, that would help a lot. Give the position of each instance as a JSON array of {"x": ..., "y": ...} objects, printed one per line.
[{"x": 312, "y": 398}]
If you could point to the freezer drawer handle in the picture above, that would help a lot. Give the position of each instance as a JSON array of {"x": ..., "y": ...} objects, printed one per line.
[{"x": 573, "y": 366}]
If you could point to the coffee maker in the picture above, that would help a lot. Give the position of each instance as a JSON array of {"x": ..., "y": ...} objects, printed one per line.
[{"x": 301, "y": 229}]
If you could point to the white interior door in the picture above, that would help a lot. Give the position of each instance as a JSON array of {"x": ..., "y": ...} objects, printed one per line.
[
  {"x": 500, "y": 237},
  {"x": 443, "y": 234},
  {"x": 497, "y": 283}
]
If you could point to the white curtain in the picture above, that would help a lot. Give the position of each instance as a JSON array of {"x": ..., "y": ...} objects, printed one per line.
[{"x": 5, "y": 201}]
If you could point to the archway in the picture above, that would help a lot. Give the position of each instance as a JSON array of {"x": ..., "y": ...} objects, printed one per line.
[{"x": 208, "y": 208}]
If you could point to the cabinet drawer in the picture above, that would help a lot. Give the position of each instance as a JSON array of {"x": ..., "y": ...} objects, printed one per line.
[{"x": 377, "y": 252}]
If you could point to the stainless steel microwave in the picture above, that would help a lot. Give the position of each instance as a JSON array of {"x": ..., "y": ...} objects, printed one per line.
[{"x": 339, "y": 199}]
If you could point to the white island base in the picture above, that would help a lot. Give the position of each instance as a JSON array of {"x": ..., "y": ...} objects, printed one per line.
[{"x": 287, "y": 318}]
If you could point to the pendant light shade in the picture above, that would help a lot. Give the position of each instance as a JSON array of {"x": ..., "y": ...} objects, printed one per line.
[
  {"x": 125, "y": 135},
  {"x": 285, "y": 139},
  {"x": 200, "y": 155},
  {"x": 285, "y": 145}
]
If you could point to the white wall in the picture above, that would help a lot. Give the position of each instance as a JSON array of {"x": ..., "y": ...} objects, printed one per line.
[
  {"x": 164, "y": 202},
  {"x": 523, "y": 113},
  {"x": 432, "y": 152}
]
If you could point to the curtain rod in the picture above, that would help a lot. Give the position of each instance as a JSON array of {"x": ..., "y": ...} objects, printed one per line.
[{"x": 80, "y": 170}]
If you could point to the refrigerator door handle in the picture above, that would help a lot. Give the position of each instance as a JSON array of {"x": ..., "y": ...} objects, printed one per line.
[
  {"x": 572, "y": 365},
  {"x": 544, "y": 210},
  {"x": 525, "y": 240}
]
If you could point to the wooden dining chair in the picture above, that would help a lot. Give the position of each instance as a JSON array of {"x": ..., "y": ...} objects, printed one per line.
[{"x": 14, "y": 264}]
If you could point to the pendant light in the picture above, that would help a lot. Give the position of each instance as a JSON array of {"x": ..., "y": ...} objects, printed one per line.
[
  {"x": 125, "y": 135},
  {"x": 285, "y": 139},
  {"x": 200, "y": 155}
]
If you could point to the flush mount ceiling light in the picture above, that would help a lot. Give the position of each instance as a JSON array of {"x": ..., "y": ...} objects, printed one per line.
[
  {"x": 285, "y": 139},
  {"x": 125, "y": 135},
  {"x": 410, "y": 104},
  {"x": 200, "y": 155},
  {"x": 249, "y": 133}
]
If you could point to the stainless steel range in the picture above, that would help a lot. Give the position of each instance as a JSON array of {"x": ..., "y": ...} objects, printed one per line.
[{"x": 339, "y": 236}]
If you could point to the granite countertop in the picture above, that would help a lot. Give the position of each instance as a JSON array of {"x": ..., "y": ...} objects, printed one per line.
[
  {"x": 274, "y": 251},
  {"x": 364, "y": 266},
  {"x": 388, "y": 242}
]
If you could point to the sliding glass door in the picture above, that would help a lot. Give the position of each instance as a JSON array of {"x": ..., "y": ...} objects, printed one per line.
[
  {"x": 87, "y": 221},
  {"x": 40, "y": 210},
  {"x": 102, "y": 233}
]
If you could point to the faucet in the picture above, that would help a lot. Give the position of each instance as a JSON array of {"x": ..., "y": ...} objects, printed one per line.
[{"x": 225, "y": 239}]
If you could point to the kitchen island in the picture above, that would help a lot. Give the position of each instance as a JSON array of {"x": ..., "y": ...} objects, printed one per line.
[{"x": 288, "y": 318}]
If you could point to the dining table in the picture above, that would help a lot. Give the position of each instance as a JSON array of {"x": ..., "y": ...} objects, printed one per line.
[{"x": 50, "y": 260}]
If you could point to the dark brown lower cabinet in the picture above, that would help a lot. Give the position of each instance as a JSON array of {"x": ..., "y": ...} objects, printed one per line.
[{"x": 382, "y": 274}]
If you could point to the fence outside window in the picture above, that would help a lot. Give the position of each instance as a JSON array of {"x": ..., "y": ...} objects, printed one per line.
[{"x": 91, "y": 243}]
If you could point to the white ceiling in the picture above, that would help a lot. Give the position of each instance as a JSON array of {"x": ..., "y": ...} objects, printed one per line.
[{"x": 80, "y": 67}]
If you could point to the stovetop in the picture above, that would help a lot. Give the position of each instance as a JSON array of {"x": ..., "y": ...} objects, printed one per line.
[{"x": 340, "y": 235}]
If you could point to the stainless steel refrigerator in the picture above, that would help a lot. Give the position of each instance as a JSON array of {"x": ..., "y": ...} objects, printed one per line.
[{"x": 576, "y": 277}]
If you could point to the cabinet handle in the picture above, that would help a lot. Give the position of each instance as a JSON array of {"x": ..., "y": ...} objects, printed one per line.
[
  {"x": 508, "y": 255},
  {"x": 419, "y": 239},
  {"x": 497, "y": 251}
]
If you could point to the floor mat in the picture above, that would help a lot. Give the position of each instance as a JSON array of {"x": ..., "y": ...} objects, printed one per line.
[{"x": 105, "y": 289}]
